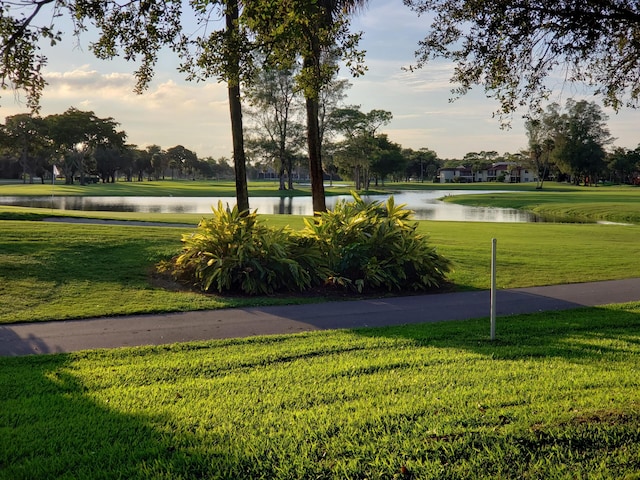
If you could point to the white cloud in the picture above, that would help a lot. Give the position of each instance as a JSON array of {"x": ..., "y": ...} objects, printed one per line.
[{"x": 196, "y": 115}]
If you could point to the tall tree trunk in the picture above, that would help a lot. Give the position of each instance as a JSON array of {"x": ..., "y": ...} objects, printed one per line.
[
  {"x": 315, "y": 159},
  {"x": 282, "y": 185},
  {"x": 24, "y": 160},
  {"x": 239, "y": 159},
  {"x": 282, "y": 155},
  {"x": 312, "y": 62},
  {"x": 290, "y": 171},
  {"x": 235, "y": 108}
]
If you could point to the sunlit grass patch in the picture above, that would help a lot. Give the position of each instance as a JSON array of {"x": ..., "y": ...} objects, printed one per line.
[
  {"x": 555, "y": 396},
  {"x": 54, "y": 271}
]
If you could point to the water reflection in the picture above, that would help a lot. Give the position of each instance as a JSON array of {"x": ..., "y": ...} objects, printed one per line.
[{"x": 425, "y": 204}]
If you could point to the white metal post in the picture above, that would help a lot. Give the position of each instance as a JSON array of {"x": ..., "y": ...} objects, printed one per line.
[{"x": 493, "y": 288}]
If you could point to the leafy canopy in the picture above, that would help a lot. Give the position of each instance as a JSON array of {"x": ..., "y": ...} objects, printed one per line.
[{"x": 512, "y": 46}]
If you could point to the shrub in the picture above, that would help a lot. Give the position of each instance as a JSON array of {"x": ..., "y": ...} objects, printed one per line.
[
  {"x": 358, "y": 246},
  {"x": 376, "y": 246},
  {"x": 233, "y": 251}
]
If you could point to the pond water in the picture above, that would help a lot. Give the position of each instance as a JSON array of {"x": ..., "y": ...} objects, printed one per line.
[{"x": 425, "y": 204}]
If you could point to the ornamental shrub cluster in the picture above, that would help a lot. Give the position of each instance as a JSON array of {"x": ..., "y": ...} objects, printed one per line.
[{"x": 357, "y": 246}]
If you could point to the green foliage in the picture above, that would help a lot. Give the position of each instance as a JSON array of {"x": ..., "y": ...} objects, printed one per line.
[
  {"x": 358, "y": 246},
  {"x": 233, "y": 251},
  {"x": 494, "y": 44},
  {"x": 375, "y": 246}
]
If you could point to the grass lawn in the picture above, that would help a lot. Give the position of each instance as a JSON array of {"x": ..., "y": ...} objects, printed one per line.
[
  {"x": 614, "y": 204},
  {"x": 52, "y": 271},
  {"x": 557, "y": 396},
  {"x": 176, "y": 188}
]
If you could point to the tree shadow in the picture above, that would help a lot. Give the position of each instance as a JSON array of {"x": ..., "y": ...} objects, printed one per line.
[
  {"x": 580, "y": 334},
  {"x": 53, "y": 428},
  {"x": 87, "y": 256},
  {"x": 13, "y": 345}
]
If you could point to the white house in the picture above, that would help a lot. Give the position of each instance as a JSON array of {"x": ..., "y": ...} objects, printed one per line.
[
  {"x": 498, "y": 172},
  {"x": 460, "y": 174}
]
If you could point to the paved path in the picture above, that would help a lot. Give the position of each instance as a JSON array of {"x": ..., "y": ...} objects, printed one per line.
[{"x": 111, "y": 332}]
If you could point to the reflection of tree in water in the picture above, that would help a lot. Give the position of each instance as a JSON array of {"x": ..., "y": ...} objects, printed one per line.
[
  {"x": 425, "y": 205},
  {"x": 285, "y": 207}
]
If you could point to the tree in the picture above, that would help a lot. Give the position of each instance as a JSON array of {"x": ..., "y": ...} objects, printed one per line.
[
  {"x": 623, "y": 163},
  {"x": 331, "y": 97},
  {"x": 139, "y": 29},
  {"x": 275, "y": 101},
  {"x": 422, "y": 163},
  {"x": 388, "y": 159},
  {"x": 129, "y": 156},
  {"x": 580, "y": 138},
  {"x": 360, "y": 145},
  {"x": 76, "y": 134},
  {"x": 540, "y": 132},
  {"x": 108, "y": 162},
  {"x": 183, "y": 159},
  {"x": 141, "y": 163},
  {"x": 25, "y": 136},
  {"x": 512, "y": 46},
  {"x": 318, "y": 32}
]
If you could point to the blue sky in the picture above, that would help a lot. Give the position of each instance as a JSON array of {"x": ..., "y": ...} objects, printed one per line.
[{"x": 174, "y": 111}]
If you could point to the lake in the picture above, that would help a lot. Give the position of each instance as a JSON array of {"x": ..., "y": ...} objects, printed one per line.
[{"x": 425, "y": 204}]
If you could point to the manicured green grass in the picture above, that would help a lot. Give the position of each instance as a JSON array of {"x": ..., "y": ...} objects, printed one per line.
[
  {"x": 51, "y": 271},
  {"x": 531, "y": 254},
  {"x": 162, "y": 188},
  {"x": 556, "y": 396},
  {"x": 54, "y": 271},
  {"x": 8, "y": 212},
  {"x": 614, "y": 204}
]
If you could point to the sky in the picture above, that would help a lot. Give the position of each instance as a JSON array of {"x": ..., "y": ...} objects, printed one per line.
[{"x": 174, "y": 111}]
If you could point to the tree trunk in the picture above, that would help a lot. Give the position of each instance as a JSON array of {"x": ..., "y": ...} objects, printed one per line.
[
  {"x": 282, "y": 185},
  {"x": 315, "y": 158},
  {"x": 283, "y": 165},
  {"x": 235, "y": 108},
  {"x": 312, "y": 62},
  {"x": 290, "y": 172},
  {"x": 239, "y": 162}
]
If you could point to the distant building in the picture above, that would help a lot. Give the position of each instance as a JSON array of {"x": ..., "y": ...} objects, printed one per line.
[
  {"x": 460, "y": 174},
  {"x": 498, "y": 172}
]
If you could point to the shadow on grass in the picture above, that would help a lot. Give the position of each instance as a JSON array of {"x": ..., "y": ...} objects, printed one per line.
[
  {"x": 51, "y": 428},
  {"x": 575, "y": 335},
  {"x": 63, "y": 253}
]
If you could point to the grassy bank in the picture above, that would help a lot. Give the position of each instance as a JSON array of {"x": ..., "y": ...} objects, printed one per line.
[
  {"x": 556, "y": 201},
  {"x": 557, "y": 396},
  {"x": 614, "y": 204},
  {"x": 163, "y": 188},
  {"x": 51, "y": 271}
]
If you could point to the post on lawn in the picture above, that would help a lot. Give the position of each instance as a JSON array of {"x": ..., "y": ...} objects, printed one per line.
[{"x": 493, "y": 288}]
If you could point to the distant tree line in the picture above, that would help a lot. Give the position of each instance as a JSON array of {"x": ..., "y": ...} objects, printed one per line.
[
  {"x": 86, "y": 148},
  {"x": 574, "y": 145},
  {"x": 571, "y": 144}
]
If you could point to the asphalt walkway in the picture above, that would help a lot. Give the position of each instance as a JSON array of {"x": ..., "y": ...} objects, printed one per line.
[{"x": 113, "y": 332}]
